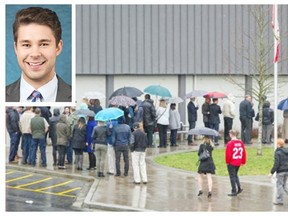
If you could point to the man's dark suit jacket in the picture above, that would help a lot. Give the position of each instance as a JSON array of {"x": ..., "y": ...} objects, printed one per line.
[{"x": 63, "y": 91}]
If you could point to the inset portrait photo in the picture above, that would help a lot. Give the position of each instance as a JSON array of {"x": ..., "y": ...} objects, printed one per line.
[{"x": 38, "y": 53}]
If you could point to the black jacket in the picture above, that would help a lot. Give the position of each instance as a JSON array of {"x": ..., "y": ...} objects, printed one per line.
[
  {"x": 246, "y": 109},
  {"x": 192, "y": 112},
  {"x": 215, "y": 110},
  {"x": 79, "y": 137},
  {"x": 12, "y": 120},
  {"x": 100, "y": 134},
  {"x": 64, "y": 91},
  {"x": 149, "y": 112},
  {"x": 280, "y": 161},
  {"x": 139, "y": 141},
  {"x": 208, "y": 165}
]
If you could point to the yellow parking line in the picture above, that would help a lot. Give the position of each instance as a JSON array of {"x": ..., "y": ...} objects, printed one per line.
[
  {"x": 53, "y": 186},
  {"x": 44, "y": 192},
  {"x": 10, "y": 172},
  {"x": 68, "y": 191},
  {"x": 31, "y": 183},
  {"x": 18, "y": 178}
]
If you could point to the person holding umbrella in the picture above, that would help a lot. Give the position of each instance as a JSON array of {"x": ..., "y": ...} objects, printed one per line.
[
  {"x": 192, "y": 109},
  {"x": 100, "y": 136},
  {"x": 206, "y": 111},
  {"x": 214, "y": 119},
  {"x": 90, "y": 148},
  {"x": 149, "y": 117},
  {"x": 206, "y": 167}
]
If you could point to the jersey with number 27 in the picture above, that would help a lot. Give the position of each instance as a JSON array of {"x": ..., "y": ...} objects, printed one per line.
[{"x": 235, "y": 153}]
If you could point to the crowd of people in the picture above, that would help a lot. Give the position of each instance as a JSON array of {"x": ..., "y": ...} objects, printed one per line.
[{"x": 72, "y": 135}]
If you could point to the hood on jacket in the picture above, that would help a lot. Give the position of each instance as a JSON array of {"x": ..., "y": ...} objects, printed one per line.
[
  {"x": 284, "y": 150},
  {"x": 63, "y": 118},
  {"x": 56, "y": 112},
  {"x": 266, "y": 104}
]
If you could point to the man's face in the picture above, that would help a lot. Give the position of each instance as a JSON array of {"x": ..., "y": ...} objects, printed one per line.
[{"x": 36, "y": 52}]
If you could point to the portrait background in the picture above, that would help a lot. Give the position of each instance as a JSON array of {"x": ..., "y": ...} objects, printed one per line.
[{"x": 64, "y": 60}]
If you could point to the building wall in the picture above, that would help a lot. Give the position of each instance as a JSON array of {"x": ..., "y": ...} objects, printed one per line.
[{"x": 173, "y": 39}]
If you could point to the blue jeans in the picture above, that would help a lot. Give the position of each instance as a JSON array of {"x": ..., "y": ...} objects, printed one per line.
[
  {"x": 42, "y": 144},
  {"x": 14, "y": 143},
  {"x": 192, "y": 125},
  {"x": 215, "y": 126},
  {"x": 26, "y": 143},
  {"x": 173, "y": 137},
  {"x": 124, "y": 149}
]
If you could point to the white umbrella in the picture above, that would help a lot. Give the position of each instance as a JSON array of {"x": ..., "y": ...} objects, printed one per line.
[
  {"x": 175, "y": 100},
  {"x": 93, "y": 95}
]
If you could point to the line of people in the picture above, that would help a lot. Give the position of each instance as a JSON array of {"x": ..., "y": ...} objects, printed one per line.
[{"x": 98, "y": 139}]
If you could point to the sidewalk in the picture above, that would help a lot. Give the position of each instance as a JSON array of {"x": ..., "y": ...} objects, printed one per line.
[{"x": 168, "y": 189}]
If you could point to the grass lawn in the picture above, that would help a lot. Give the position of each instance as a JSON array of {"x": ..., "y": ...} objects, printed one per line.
[{"x": 255, "y": 165}]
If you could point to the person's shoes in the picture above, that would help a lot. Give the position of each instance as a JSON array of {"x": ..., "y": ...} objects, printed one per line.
[
  {"x": 102, "y": 174},
  {"x": 117, "y": 175},
  {"x": 200, "y": 193},
  {"x": 239, "y": 190},
  {"x": 216, "y": 144},
  {"x": 137, "y": 183},
  {"x": 23, "y": 163},
  {"x": 13, "y": 161},
  {"x": 209, "y": 195},
  {"x": 44, "y": 165},
  {"x": 125, "y": 174},
  {"x": 232, "y": 194},
  {"x": 280, "y": 204},
  {"x": 110, "y": 173},
  {"x": 61, "y": 167},
  {"x": 144, "y": 182}
]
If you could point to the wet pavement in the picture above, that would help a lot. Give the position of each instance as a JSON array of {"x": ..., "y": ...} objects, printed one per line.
[{"x": 168, "y": 189}]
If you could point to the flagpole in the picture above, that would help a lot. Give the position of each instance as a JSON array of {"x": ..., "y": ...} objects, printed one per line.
[{"x": 276, "y": 35}]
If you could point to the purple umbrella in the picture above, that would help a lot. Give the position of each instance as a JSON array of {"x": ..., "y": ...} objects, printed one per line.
[{"x": 122, "y": 100}]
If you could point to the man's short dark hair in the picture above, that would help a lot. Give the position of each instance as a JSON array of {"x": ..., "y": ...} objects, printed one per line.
[{"x": 40, "y": 16}]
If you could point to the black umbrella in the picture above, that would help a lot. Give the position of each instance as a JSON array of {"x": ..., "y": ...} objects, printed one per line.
[{"x": 127, "y": 91}]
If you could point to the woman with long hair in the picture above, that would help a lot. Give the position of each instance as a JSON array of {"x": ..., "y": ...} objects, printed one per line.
[
  {"x": 162, "y": 117},
  {"x": 79, "y": 141},
  {"x": 206, "y": 167}
]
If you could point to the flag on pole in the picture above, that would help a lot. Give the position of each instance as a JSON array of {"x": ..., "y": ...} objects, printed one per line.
[{"x": 276, "y": 31}]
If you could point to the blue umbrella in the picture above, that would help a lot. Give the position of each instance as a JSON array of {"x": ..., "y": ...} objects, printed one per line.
[
  {"x": 283, "y": 105},
  {"x": 108, "y": 114},
  {"x": 158, "y": 91},
  {"x": 203, "y": 131}
]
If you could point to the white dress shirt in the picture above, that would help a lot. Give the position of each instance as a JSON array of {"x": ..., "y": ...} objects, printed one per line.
[{"x": 48, "y": 91}]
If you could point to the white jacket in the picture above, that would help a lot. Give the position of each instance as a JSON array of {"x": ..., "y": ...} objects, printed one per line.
[
  {"x": 228, "y": 109},
  {"x": 162, "y": 114}
]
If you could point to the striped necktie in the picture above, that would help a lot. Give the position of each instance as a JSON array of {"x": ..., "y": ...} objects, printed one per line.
[{"x": 35, "y": 96}]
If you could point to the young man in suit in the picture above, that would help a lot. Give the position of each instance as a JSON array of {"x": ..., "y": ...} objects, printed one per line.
[{"x": 37, "y": 43}]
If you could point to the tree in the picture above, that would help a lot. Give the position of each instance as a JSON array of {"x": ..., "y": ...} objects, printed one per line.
[{"x": 261, "y": 63}]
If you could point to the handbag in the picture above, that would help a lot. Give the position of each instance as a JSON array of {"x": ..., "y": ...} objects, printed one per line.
[{"x": 205, "y": 154}]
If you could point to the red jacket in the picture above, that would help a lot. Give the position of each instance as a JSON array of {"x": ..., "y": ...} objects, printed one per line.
[{"x": 235, "y": 153}]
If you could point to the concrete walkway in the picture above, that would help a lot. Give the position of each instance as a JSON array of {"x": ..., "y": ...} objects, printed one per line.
[{"x": 168, "y": 189}]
